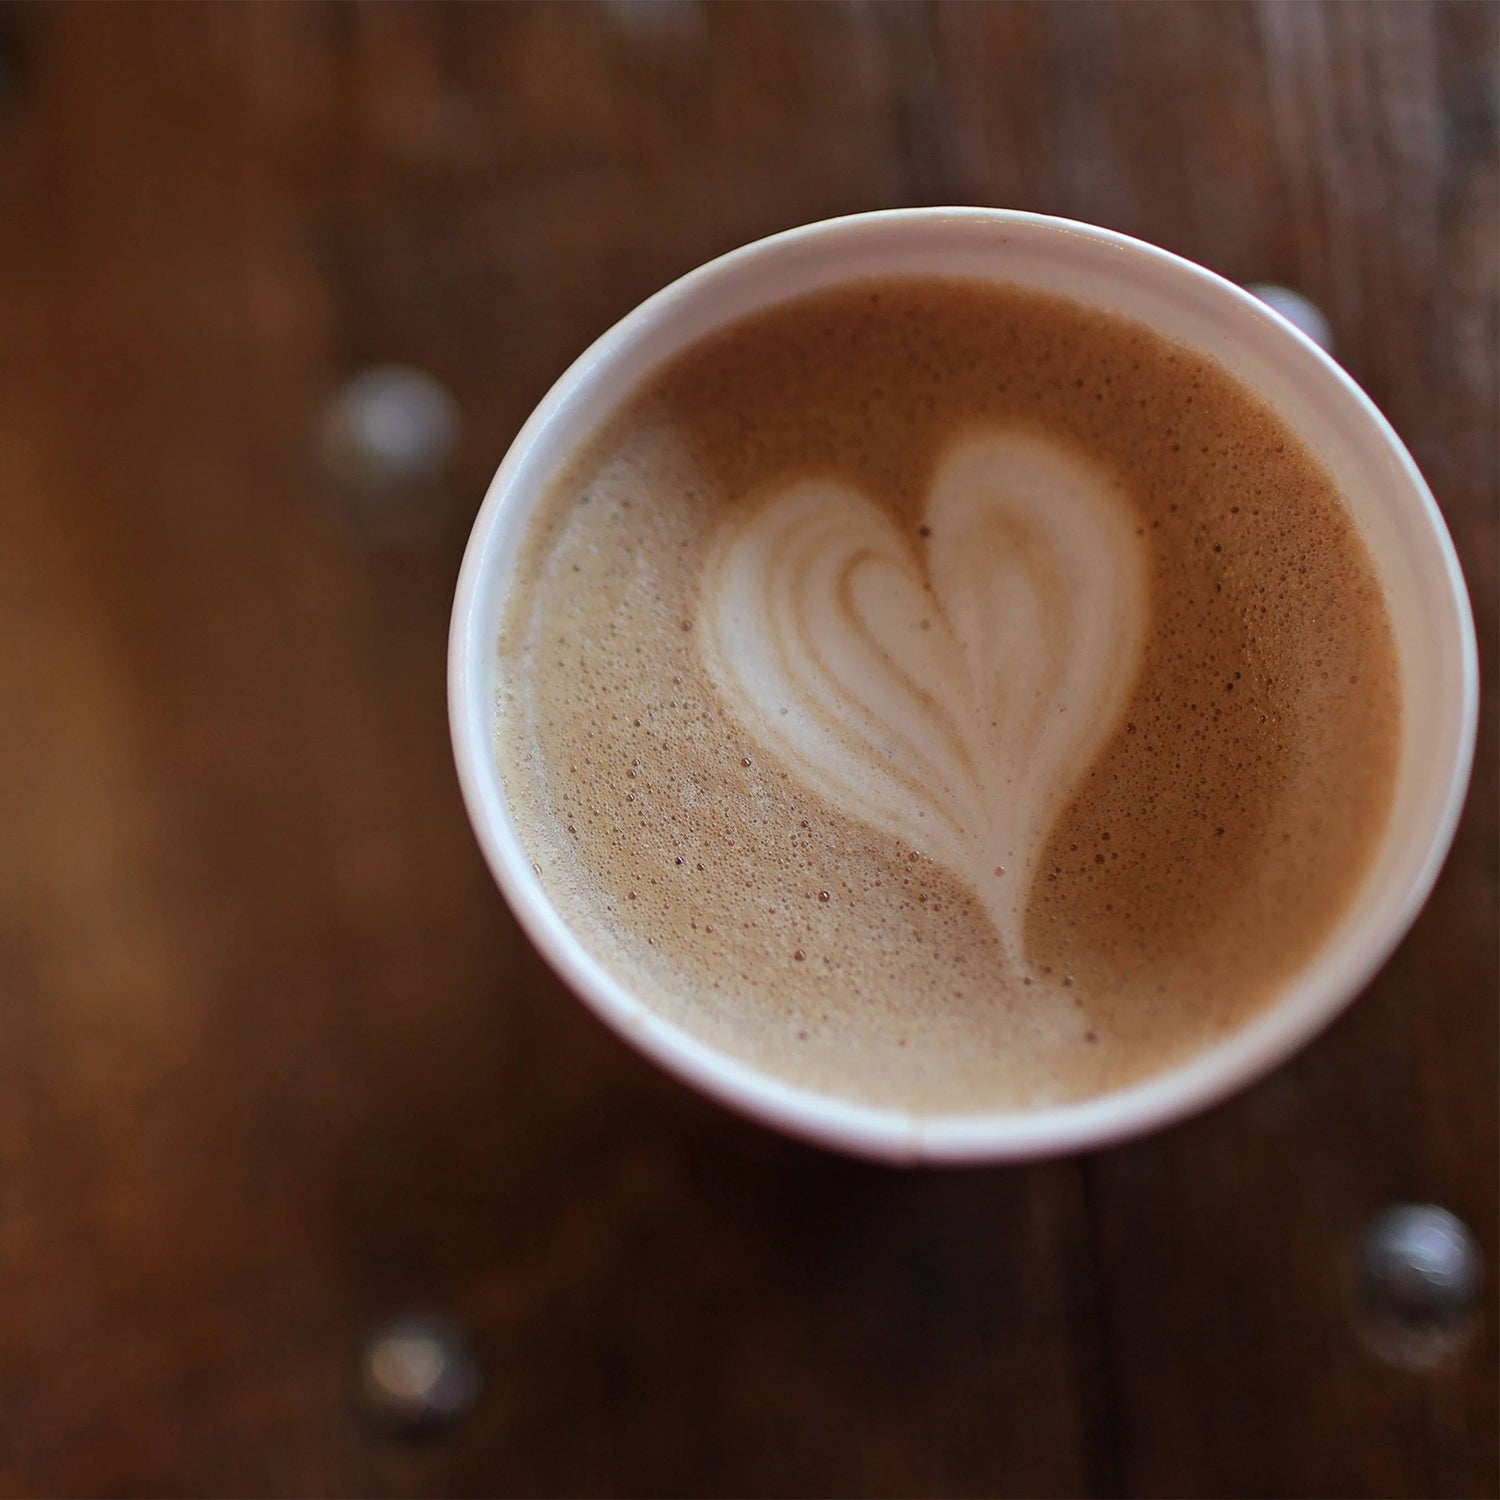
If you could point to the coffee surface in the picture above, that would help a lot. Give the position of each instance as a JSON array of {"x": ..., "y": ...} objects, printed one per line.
[{"x": 948, "y": 697}]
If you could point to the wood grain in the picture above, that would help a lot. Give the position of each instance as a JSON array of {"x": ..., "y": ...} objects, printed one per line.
[{"x": 274, "y": 1061}]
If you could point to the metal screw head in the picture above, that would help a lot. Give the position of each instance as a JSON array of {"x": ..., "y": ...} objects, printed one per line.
[
  {"x": 1303, "y": 315},
  {"x": 417, "y": 1376},
  {"x": 390, "y": 426},
  {"x": 1420, "y": 1263},
  {"x": 386, "y": 441},
  {"x": 1420, "y": 1274}
]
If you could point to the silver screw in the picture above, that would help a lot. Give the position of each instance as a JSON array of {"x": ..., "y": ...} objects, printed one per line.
[
  {"x": 1421, "y": 1263},
  {"x": 1303, "y": 315},
  {"x": 417, "y": 1376},
  {"x": 386, "y": 441},
  {"x": 1420, "y": 1274}
]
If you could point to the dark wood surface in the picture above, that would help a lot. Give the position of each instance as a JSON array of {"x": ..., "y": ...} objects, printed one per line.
[{"x": 275, "y": 1062}]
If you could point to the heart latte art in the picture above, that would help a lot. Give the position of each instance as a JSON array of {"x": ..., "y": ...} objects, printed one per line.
[{"x": 949, "y": 688}]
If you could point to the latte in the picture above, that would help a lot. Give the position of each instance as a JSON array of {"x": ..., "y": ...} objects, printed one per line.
[{"x": 948, "y": 697}]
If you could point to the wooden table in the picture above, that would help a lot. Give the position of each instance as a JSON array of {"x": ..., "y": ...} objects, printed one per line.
[{"x": 275, "y": 1063}]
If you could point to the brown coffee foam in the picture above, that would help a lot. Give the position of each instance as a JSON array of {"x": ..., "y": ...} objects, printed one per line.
[{"x": 1203, "y": 857}]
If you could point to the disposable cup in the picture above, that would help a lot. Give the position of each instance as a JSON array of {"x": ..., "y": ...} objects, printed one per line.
[{"x": 1387, "y": 497}]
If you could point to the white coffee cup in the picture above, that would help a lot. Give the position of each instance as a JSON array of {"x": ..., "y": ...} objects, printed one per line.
[{"x": 1391, "y": 505}]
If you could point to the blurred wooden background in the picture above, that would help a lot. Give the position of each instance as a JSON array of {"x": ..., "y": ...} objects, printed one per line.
[{"x": 275, "y": 1063}]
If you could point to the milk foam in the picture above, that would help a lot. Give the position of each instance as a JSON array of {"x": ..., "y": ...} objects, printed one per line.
[
  {"x": 1156, "y": 686},
  {"x": 949, "y": 687}
]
